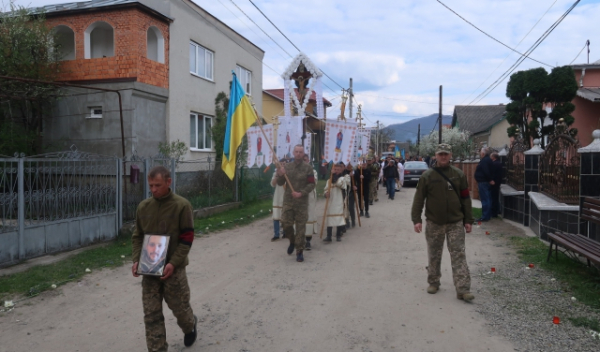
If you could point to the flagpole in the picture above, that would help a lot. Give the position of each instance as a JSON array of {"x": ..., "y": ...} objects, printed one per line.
[{"x": 275, "y": 161}]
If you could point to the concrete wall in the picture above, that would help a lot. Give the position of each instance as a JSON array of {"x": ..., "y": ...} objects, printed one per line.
[
  {"x": 271, "y": 107},
  {"x": 190, "y": 93},
  {"x": 498, "y": 135},
  {"x": 144, "y": 115},
  {"x": 587, "y": 117}
]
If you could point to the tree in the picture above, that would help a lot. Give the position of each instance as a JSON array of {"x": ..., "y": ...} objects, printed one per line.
[
  {"x": 531, "y": 92},
  {"x": 174, "y": 150},
  {"x": 220, "y": 124},
  {"x": 461, "y": 144},
  {"x": 28, "y": 49}
]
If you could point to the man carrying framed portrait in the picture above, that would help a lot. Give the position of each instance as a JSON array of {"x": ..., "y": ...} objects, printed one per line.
[{"x": 163, "y": 236}]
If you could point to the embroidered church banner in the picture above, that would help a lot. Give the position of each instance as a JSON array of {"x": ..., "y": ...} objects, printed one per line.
[
  {"x": 259, "y": 153},
  {"x": 289, "y": 134},
  {"x": 339, "y": 141}
]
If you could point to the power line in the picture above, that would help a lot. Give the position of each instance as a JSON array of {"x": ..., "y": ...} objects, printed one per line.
[
  {"x": 288, "y": 39},
  {"x": 506, "y": 57},
  {"x": 488, "y": 35},
  {"x": 522, "y": 58},
  {"x": 580, "y": 51},
  {"x": 242, "y": 11},
  {"x": 405, "y": 100},
  {"x": 247, "y": 26}
]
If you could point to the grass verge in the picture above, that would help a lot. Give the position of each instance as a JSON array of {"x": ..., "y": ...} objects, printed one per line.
[
  {"x": 590, "y": 323},
  {"x": 476, "y": 213},
  {"x": 244, "y": 215},
  {"x": 41, "y": 278},
  {"x": 37, "y": 279},
  {"x": 581, "y": 281}
]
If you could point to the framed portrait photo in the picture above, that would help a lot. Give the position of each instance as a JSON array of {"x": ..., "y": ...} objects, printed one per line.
[{"x": 154, "y": 255}]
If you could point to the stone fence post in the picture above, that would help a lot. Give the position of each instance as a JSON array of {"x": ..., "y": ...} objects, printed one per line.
[
  {"x": 503, "y": 154},
  {"x": 589, "y": 182},
  {"x": 532, "y": 175}
]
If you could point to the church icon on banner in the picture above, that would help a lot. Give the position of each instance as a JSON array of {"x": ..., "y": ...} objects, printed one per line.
[{"x": 338, "y": 141}]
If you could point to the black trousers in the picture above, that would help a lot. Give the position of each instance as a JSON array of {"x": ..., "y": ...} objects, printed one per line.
[
  {"x": 365, "y": 196},
  {"x": 351, "y": 205},
  {"x": 495, "y": 192}
]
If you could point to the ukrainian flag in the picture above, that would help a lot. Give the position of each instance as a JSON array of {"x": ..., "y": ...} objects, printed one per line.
[
  {"x": 240, "y": 116},
  {"x": 397, "y": 152}
]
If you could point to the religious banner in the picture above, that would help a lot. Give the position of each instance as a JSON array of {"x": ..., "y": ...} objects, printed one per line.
[
  {"x": 289, "y": 134},
  {"x": 339, "y": 141},
  {"x": 308, "y": 144},
  {"x": 361, "y": 146},
  {"x": 259, "y": 153}
]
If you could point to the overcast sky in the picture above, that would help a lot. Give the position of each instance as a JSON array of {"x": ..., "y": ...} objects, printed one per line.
[{"x": 399, "y": 52}]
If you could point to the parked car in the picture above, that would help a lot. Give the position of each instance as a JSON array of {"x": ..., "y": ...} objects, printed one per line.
[{"x": 413, "y": 171}]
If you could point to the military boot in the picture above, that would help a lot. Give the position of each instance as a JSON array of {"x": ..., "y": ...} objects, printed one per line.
[
  {"x": 339, "y": 233},
  {"x": 467, "y": 296},
  {"x": 307, "y": 246},
  {"x": 362, "y": 213},
  {"x": 299, "y": 257},
  {"x": 432, "y": 289},
  {"x": 329, "y": 234},
  {"x": 290, "y": 249},
  {"x": 367, "y": 215}
]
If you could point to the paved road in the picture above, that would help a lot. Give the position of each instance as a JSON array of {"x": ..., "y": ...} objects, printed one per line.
[{"x": 366, "y": 293}]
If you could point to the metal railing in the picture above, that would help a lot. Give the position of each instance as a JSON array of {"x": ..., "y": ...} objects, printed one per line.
[
  {"x": 560, "y": 168},
  {"x": 515, "y": 165}
]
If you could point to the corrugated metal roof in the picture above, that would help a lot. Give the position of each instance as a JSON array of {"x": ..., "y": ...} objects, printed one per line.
[
  {"x": 591, "y": 94},
  {"x": 88, "y": 5},
  {"x": 477, "y": 118}
]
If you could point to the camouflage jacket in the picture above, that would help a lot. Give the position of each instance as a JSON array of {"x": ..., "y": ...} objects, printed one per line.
[
  {"x": 442, "y": 203},
  {"x": 303, "y": 180}
]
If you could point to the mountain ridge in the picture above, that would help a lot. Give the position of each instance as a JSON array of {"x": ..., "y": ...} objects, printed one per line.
[{"x": 409, "y": 129}]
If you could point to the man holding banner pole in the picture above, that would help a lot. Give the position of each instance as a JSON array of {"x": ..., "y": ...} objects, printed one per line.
[{"x": 301, "y": 182}]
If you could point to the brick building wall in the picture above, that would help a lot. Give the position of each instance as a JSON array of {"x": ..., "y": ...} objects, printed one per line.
[{"x": 130, "y": 52}]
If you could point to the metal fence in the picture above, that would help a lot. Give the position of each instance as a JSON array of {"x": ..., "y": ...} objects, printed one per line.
[
  {"x": 56, "y": 201},
  {"x": 560, "y": 168},
  {"x": 515, "y": 165}
]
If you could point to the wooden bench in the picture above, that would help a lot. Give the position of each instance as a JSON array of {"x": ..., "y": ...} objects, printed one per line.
[{"x": 579, "y": 244}]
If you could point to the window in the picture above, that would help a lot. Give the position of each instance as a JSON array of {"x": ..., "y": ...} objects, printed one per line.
[
  {"x": 65, "y": 38},
  {"x": 95, "y": 112},
  {"x": 245, "y": 78},
  {"x": 155, "y": 45},
  {"x": 201, "y": 61},
  {"x": 200, "y": 132},
  {"x": 99, "y": 40}
]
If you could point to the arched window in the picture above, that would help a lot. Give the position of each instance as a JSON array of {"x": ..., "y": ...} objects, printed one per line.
[
  {"x": 99, "y": 40},
  {"x": 155, "y": 45},
  {"x": 65, "y": 38}
]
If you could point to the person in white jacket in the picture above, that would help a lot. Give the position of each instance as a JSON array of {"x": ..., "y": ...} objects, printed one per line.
[
  {"x": 401, "y": 172},
  {"x": 335, "y": 208},
  {"x": 277, "y": 205}
]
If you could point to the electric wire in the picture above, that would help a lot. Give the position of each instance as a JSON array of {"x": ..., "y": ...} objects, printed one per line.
[
  {"x": 259, "y": 27},
  {"x": 507, "y": 56},
  {"x": 247, "y": 26},
  {"x": 288, "y": 39},
  {"x": 522, "y": 58},
  {"x": 491, "y": 37},
  {"x": 580, "y": 51}
]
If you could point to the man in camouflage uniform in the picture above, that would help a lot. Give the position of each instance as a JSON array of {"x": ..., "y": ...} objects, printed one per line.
[
  {"x": 165, "y": 213},
  {"x": 447, "y": 210},
  {"x": 295, "y": 204},
  {"x": 373, "y": 167}
]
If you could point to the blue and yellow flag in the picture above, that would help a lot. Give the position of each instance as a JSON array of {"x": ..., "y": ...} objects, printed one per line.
[
  {"x": 397, "y": 152},
  {"x": 240, "y": 116}
]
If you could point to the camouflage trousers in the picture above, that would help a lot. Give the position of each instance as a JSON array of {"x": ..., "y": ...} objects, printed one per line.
[
  {"x": 455, "y": 234},
  {"x": 295, "y": 216},
  {"x": 373, "y": 188},
  {"x": 176, "y": 292}
]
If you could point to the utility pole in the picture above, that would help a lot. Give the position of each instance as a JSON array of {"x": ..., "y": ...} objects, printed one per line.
[
  {"x": 588, "y": 45},
  {"x": 377, "y": 139},
  {"x": 419, "y": 140},
  {"x": 440, "y": 117},
  {"x": 350, "y": 95}
]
